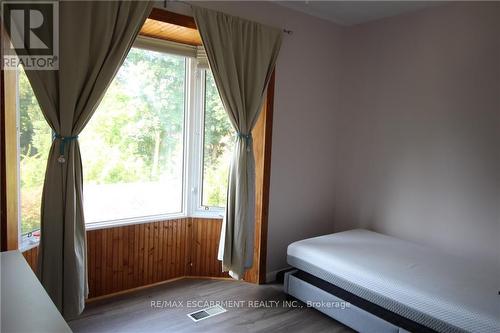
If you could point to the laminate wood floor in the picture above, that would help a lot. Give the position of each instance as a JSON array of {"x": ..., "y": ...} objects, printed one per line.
[{"x": 261, "y": 309}]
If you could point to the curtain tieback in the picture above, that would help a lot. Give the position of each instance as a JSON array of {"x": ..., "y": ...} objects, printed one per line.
[
  {"x": 247, "y": 137},
  {"x": 62, "y": 145}
]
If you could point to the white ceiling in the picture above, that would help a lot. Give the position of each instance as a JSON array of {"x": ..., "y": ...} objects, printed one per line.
[{"x": 356, "y": 12}]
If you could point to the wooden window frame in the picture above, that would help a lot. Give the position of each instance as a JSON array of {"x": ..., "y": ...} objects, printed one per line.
[
  {"x": 3, "y": 189},
  {"x": 9, "y": 224},
  {"x": 172, "y": 18}
]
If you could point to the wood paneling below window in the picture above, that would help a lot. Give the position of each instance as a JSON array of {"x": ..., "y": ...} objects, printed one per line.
[
  {"x": 133, "y": 256},
  {"x": 204, "y": 248},
  {"x": 31, "y": 257}
]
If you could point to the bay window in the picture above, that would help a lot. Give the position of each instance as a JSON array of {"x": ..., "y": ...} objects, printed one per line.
[
  {"x": 157, "y": 147},
  {"x": 35, "y": 138},
  {"x": 217, "y": 146},
  {"x": 133, "y": 146}
]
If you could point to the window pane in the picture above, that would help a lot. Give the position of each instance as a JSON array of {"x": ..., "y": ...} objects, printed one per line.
[
  {"x": 218, "y": 141},
  {"x": 132, "y": 148},
  {"x": 35, "y": 138}
]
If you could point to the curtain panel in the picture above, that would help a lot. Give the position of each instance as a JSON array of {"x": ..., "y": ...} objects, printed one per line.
[
  {"x": 94, "y": 39},
  {"x": 242, "y": 55}
]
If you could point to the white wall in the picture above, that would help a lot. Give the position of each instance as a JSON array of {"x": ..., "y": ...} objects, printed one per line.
[{"x": 417, "y": 135}]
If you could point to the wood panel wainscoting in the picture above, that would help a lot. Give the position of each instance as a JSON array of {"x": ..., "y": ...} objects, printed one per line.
[{"x": 133, "y": 256}]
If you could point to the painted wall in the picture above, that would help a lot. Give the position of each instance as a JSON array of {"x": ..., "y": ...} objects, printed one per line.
[{"x": 417, "y": 135}]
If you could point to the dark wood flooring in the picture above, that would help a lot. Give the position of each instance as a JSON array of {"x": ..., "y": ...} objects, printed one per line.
[{"x": 133, "y": 312}]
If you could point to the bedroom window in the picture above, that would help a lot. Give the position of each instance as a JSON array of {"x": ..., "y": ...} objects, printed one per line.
[
  {"x": 133, "y": 147},
  {"x": 159, "y": 144},
  {"x": 35, "y": 138},
  {"x": 157, "y": 147},
  {"x": 218, "y": 140}
]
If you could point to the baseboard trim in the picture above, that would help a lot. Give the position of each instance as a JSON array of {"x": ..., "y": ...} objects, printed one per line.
[
  {"x": 127, "y": 291},
  {"x": 210, "y": 278},
  {"x": 272, "y": 276}
]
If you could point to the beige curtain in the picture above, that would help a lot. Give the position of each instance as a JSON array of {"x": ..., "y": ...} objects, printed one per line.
[
  {"x": 95, "y": 37},
  {"x": 242, "y": 56}
]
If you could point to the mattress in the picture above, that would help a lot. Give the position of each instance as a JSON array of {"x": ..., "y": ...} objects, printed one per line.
[{"x": 439, "y": 291}]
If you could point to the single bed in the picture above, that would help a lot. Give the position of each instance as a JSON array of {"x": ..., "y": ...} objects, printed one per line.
[{"x": 393, "y": 285}]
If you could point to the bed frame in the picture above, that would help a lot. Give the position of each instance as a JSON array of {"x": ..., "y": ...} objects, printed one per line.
[{"x": 345, "y": 307}]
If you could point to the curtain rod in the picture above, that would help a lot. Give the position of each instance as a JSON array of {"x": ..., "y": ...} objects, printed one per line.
[{"x": 286, "y": 31}]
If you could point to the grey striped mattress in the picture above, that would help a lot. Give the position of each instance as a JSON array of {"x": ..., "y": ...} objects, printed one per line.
[{"x": 437, "y": 290}]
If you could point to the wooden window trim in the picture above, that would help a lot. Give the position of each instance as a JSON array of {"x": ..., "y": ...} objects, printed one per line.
[
  {"x": 268, "y": 138},
  {"x": 8, "y": 159},
  {"x": 164, "y": 25},
  {"x": 3, "y": 189},
  {"x": 173, "y": 18},
  {"x": 262, "y": 135}
]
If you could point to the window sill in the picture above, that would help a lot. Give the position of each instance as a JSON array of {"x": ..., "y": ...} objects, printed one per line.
[
  {"x": 27, "y": 243},
  {"x": 206, "y": 214},
  {"x": 151, "y": 219},
  {"x": 132, "y": 221}
]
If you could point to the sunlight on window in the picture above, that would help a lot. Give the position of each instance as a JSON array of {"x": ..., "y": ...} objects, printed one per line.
[
  {"x": 35, "y": 138},
  {"x": 218, "y": 143},
  {"x": 132, "y": 148}
]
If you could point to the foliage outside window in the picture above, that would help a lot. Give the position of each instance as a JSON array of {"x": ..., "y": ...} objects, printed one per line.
[
  {"x": 217, "y": 147},
  {"x": 133, "y": 148},
  {"x": 34, "y": 144}
]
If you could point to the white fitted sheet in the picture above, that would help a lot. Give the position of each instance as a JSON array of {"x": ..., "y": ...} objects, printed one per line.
[{"x": 439, "y": 291}]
